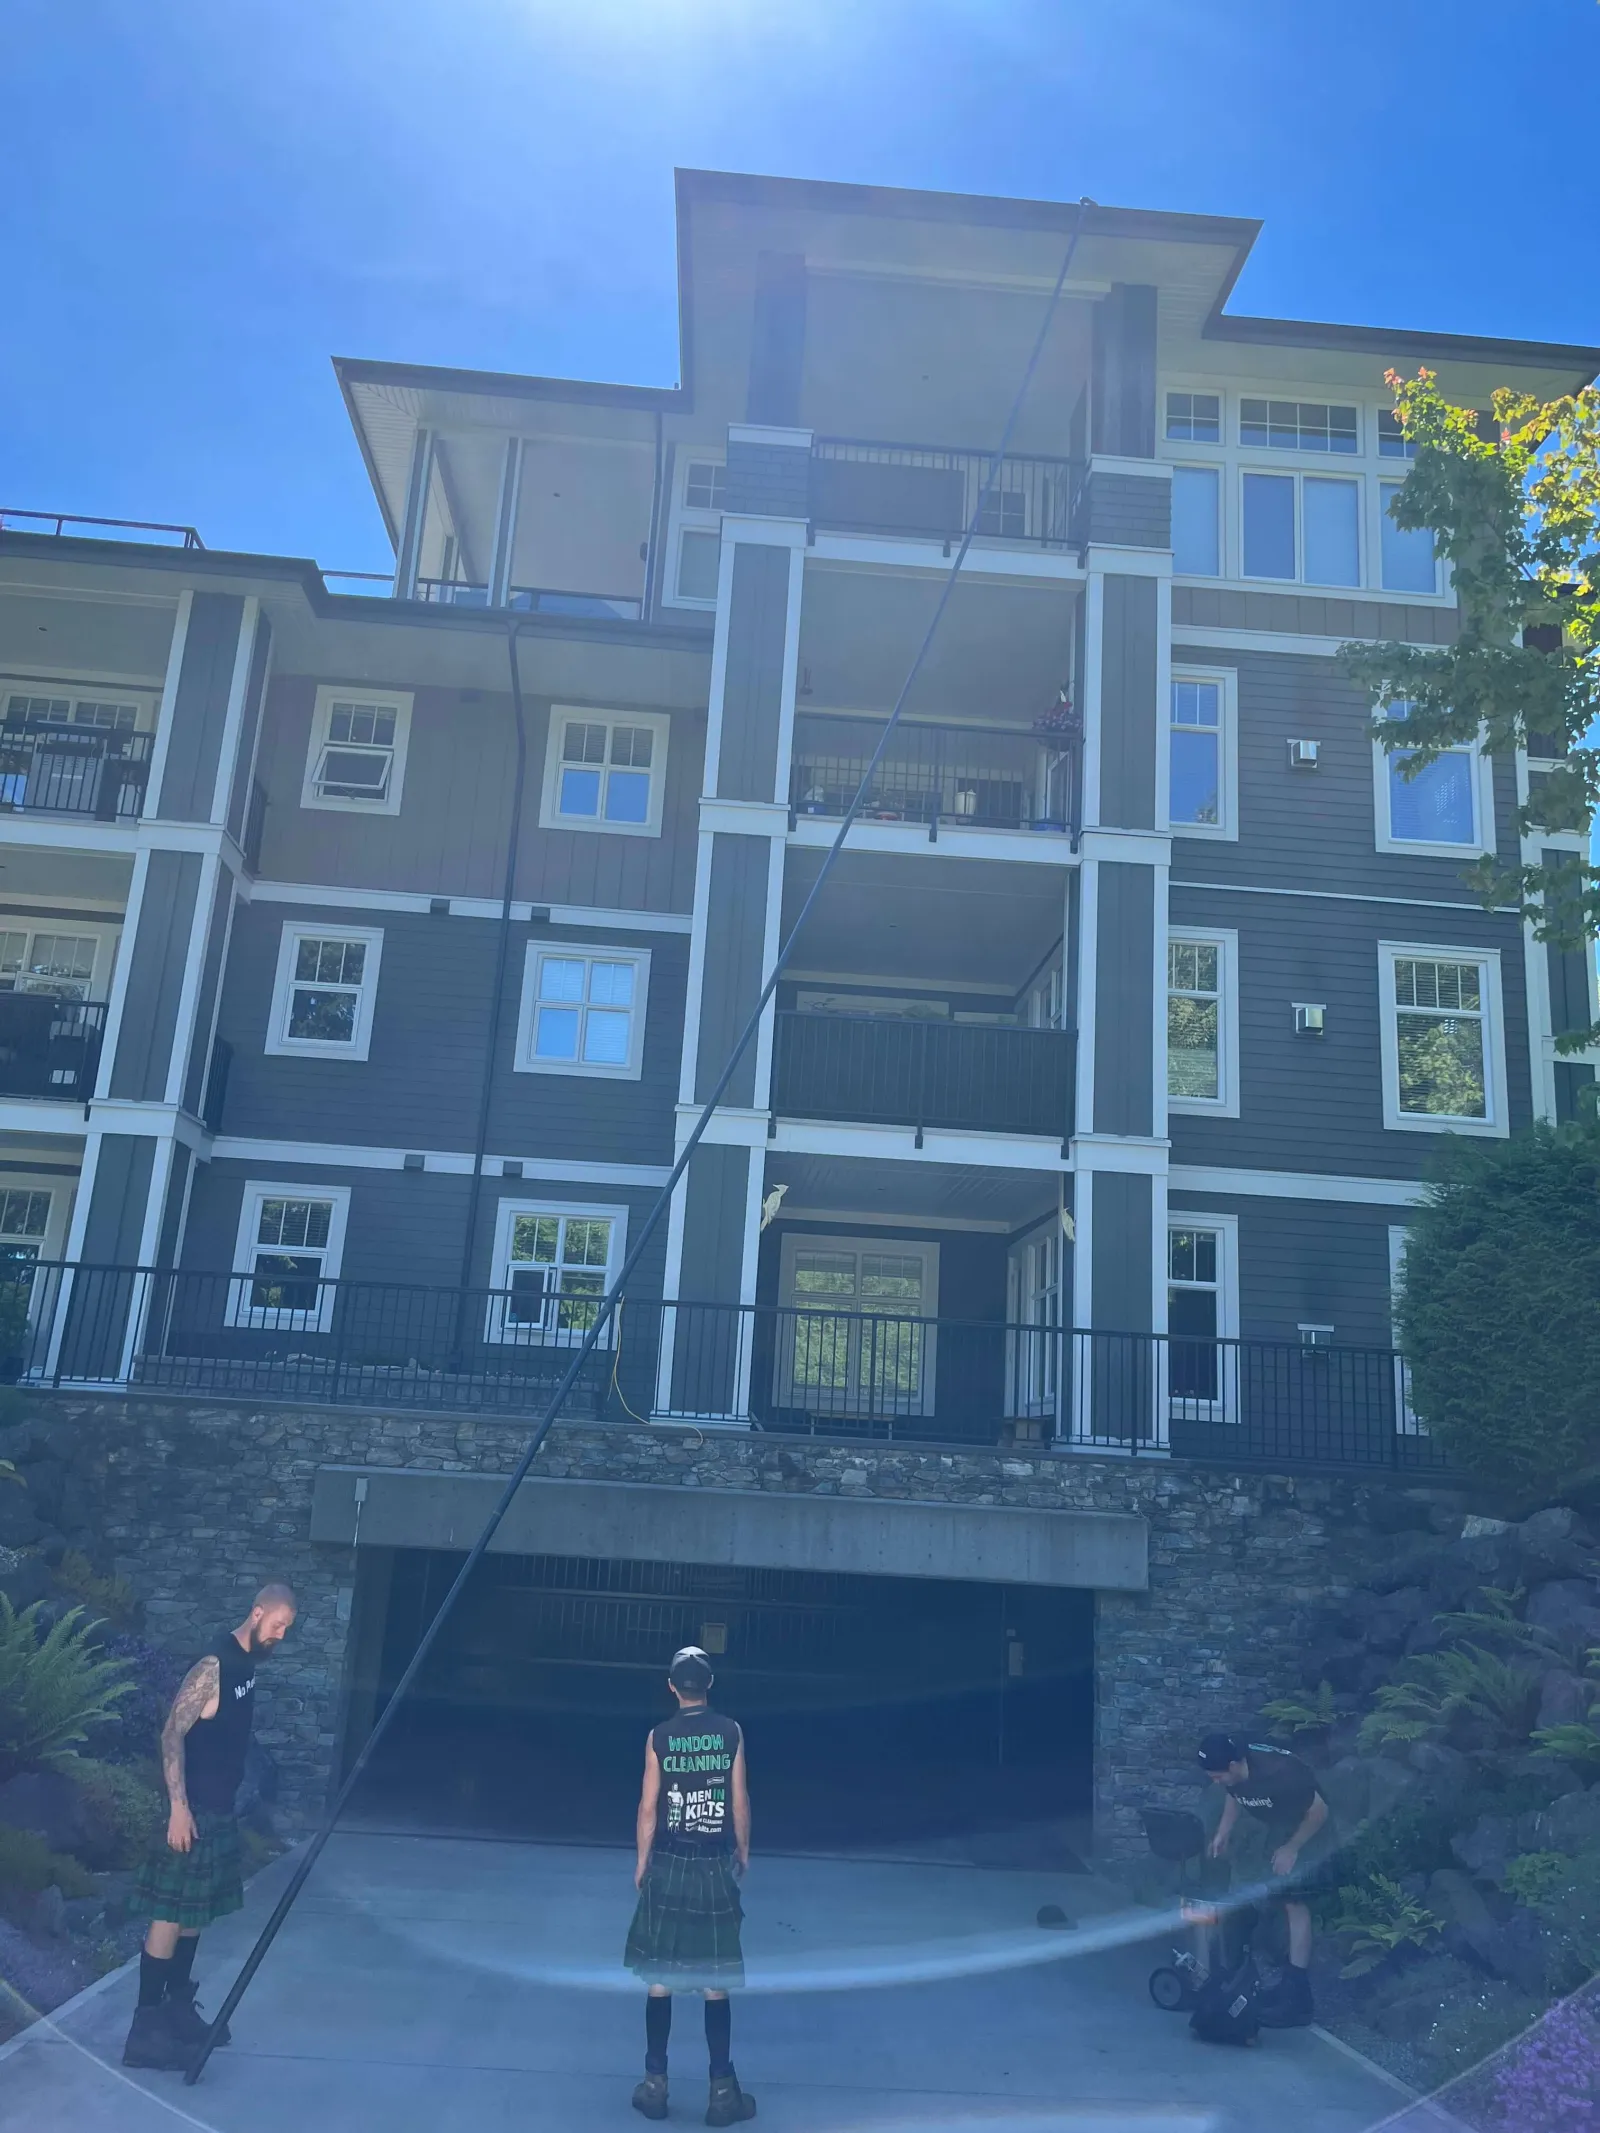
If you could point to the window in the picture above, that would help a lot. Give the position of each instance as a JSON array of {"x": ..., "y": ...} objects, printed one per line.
[
  {"x": 1446, "y": 806},
  {"x": 1406, "y": 1420},
  {"x": 36, "y": 712},
  {"x": 1033, "y": 1306},
  {"x": 1202, "y": 1022},
  {"x": 291, "y": 1241},
  {"x": 1409, "y": 563},
  {"x": 854, "y": 1341},
  {"x": 1201, "y": 1316},
  {"x": 24, "y": 1219},
  {"x": 1324, "y": 548},
  {"x": 61, "y": 964},
  {"x": 1443, "y": 1043},
  {"x": 1393, "y": 443},
  {"x": 1196, "y": 541},
  {"x": 1004, "y": 513},
  {"x": 551, "y": 1267},
  {"x": 357, "y": 760},
  {"x": 326, "y": 988},
  {"x": 694, "y": 545},
  {"x": 583, "y": 1013},
  {"x": 1201, "y": 756},
  {"x": 1299, "y": 425},
  {"x": 1195, "y": 418},
  {"x": 605, "y": 771}
]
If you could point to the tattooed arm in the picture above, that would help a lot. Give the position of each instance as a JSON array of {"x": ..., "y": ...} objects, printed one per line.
[{"x": 198, "y": 1698}]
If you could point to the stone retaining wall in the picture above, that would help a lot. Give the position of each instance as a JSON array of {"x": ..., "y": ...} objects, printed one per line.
[{"x": 197, "y": 1503}]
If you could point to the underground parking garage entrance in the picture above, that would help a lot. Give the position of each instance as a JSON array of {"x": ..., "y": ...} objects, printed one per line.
[{"x": 891, "y": 1709}]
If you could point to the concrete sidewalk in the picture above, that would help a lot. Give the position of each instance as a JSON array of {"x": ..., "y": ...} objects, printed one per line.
[{"x": 439, "y": 1985}]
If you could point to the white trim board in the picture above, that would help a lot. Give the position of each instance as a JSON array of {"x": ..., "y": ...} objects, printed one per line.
[
  {"x": 1209, "y": 637},
  {"x": 332, "y": 897},
  {"x": 1294, "y": 1185},
  {"x": 1349, "y": 896},
  {"x": 447, "y": 1161}
]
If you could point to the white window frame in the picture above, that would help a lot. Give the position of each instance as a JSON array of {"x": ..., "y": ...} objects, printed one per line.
[
  {"x": 1226, "y": 827},
  {"x": 797, "y": 1241},
  {"x": 279, "y": 1043},
  {"x": 1406, "y": 1420},
  {"x": 1481, "y": 769},
  {"x": 1225, "y": 1408},
  {"x": 238, "y": 1310},
  {"x": 497, "y": 1328},
  {"x": 1330, "y": 469},
  {"x": 550, "y": 816},
  {"x": 1495, "y": 1124},
  {"x": 398, "y": 701},
  {"x": 1225, "y": 1104},
  {"x": 685, "y": 517},
  {"x": 584, "y": 952},
  {"x": 106, "y": 941},
  {"x": 49, "y": 1244},
  {"x": 1219, "y": 476},
  {"x": 1380, "y": 512}
]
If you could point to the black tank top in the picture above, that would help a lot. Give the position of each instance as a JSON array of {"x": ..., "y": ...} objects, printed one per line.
[
  {"x": 694, "y": 1811},
  {"x": 214, "y": 1748}
]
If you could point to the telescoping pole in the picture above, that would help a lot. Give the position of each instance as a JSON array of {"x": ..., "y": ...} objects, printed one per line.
[{"x": 608, "y": 1303}]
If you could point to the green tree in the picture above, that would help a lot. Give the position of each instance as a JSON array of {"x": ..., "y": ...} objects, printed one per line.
[
  {"x": 1514, "y": 506},
  {"x": 1499, "y": 1308}
]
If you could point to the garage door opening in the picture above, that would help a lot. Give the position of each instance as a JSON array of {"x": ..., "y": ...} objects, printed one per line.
[{"x": 881, "y": 1714}]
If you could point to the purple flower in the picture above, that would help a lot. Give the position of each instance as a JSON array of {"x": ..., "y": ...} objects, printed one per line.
[{"x": 1549, "y": 2080}]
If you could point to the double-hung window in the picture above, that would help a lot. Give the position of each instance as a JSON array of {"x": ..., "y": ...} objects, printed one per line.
[
  {"x": 605, "y": 771},
  {"x": 1443, "y": 1039},
  {"x": 695, "y": 552},
  {"x": 290, "y": 1244},
  {"x": 24, "y": 1220},
  {"x": 325, "y": 992},
  {"x": 1201, "y": 1289},
  {"x": 1202, "y": 773},
  {"x": 357, "y": 759},
  {"x": 60, "y": 964},
  {"x": 552, "y": 1264},
  {"x": 583, "y": 1012},
  {"x": 1303, "y": 527},
  {"x": 1446, "y": 807},
  {"x": 1202, "y": 1022}
]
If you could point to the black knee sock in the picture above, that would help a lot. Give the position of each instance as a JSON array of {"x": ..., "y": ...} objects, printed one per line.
[
  {"x": 657, "y": 2029},
  {"x": 182, "y": 1964},
  {"x": 154, "y": 1971},
  {"x": 719, "y": 2037}
]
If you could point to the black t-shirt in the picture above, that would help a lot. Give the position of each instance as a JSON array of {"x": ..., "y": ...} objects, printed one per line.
[
  {"x": 1277, "y": 1789},
  {"x": 694, "y": 1810},
  {"x": 214, "y": 1748}
]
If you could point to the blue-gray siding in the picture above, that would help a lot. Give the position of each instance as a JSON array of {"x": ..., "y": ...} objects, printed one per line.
[
  {"x": 735, "y": 930},
  {"x": 1119, "y": 1250},
  {"x": 158, "y": 964},
  {"x": 752, "y": 691},
  {"x": 1123, "y": 1003},
  {"x": 1306, "y": 1262},
  {"x": 1128, "y": 712},
  {"x": 200, "y": 706}
]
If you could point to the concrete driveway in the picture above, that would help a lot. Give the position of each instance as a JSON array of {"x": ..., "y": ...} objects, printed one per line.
[{"x": 446, "y": 1985}]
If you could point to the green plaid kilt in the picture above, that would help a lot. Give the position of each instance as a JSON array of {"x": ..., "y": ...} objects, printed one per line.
[
  {"x": 196, "y": 1887},
  {"x": 685, "y": 1930}
]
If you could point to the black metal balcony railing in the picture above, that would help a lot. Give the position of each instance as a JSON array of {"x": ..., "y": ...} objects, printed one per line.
[
  {"x": 909, "y": 1072},
  {"x": 532, "y": 599},
  {"x": 73, "y": 770},
  {"x": 49, "y": 1046},
  {"x": 58, "y": 523},
  {"x": 973, "y": 777},
  {"x": 283, "y": 1333},
  {"x": 858, "y": 486}
]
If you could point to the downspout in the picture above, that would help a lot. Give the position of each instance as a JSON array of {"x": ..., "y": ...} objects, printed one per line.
[
  {"x": 491, "y": 1035},
  {"x": 652, "y": 546}
]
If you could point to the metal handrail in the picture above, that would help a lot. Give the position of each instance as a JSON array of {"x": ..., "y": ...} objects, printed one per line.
[{"x": 57, "y": 520}]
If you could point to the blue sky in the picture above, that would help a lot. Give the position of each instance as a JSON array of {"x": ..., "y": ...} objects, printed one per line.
[{"x": 203, "y": 203}]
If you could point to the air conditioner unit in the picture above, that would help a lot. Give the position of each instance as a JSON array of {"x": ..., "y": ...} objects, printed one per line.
[
  {"x": 1309, "y": 1019},
  {"x": 1304, "y": 755}
]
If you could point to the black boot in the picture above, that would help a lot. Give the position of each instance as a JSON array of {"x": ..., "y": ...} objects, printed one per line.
[
  {"x": 1288, "y": 2004},
  {"x": 650, "y": 2097},
  {"x": 189, "y": 2018},
  {"x": 729, "y": 2104},
  {"x": 156, "y": 2043}
]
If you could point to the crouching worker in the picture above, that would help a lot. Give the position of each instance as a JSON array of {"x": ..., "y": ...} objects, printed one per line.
[
  {"x": 1281, "y": 1792},
  {"x": 693, "y": 1843},
  {"x": 193, "y": 1875}
]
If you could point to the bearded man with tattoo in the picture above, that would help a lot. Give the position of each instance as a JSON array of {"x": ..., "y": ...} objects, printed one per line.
[{"x": 193, "y": 1875}]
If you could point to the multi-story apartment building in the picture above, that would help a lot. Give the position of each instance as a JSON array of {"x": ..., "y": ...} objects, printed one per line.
[{"x": 394, "y": 937}]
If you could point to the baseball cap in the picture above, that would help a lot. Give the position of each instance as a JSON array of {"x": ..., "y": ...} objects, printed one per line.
[
  {"x": 691, "y": 1669},
  {"x": 1218, "y": 1750}
]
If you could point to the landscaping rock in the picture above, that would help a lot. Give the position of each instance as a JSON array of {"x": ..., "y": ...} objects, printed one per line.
[
  {"x": 1342, "y": 1666},
  {"x": 1569, "y": 1608},
  {"x": 47, "y": 1914},
  {"x": 30, "y": 1581},
  {"x": 1563, "y": 1698},
  {"x": 1487, "y": 1847},
  {"x": 1574, "y": 1820},
  {"x": 48, "y": 1803},
  {"x": 1347, "y": 1787},
  {"x": 16, "y": 1441},
  {"x": 85, "y": 1915},
  {"x": 46, "y": 1478},
  {"x": 1414, "y": 1565},
  {"x": 1445, "y": 1772},
  {"x": 1395, "y": 1616},
  {"x": 20, "y": 1524},
  {"x": 1399, "y": 1514},
  {"x": 1556, "y": 1544},
  {"x": 61, "y": 1438},
  {"x": 1459, "y": 1905},
  {"x": 1518, "y": 1948},
  {"x": 1388, "y": 1783}
]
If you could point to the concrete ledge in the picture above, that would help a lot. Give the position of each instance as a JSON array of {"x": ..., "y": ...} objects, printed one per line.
[{"x": 747, "y": 1529}]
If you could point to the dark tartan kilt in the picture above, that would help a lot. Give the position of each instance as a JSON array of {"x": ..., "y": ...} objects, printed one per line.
[
  {"x": 685, "y": 1930},
  {"x": 196, "y": 1887}
]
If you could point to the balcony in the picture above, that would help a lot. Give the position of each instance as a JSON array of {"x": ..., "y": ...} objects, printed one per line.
[
  {"x": 969, "y": 1077},
  {"x": 97, "y": 774},
  {"x": 533, "y": 600},
  {"x": 863, "y": 487},
  {"x": 967, "y": 777},
  {"x": 803, "y": 1371},
  {"x": 49, "y": 1046}
]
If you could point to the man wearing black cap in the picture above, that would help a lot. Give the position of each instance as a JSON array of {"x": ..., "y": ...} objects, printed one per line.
[
  {"x": 693, "y": 1836},
  {"x": 1281, "y": 1792}
]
